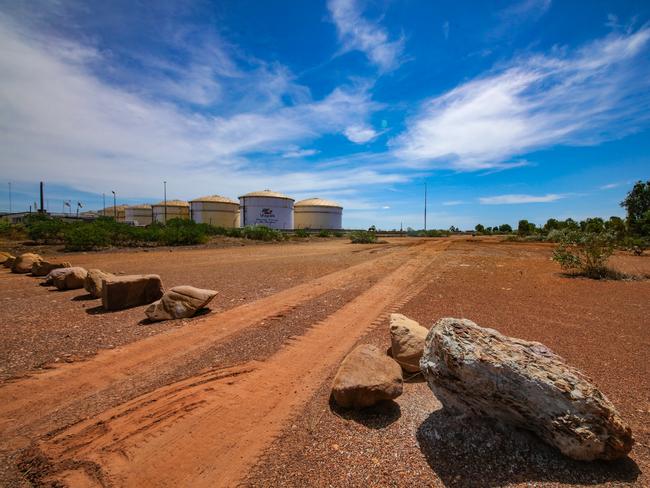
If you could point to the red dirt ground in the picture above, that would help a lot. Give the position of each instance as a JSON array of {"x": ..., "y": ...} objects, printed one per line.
[{"x": 241, "y": 395}]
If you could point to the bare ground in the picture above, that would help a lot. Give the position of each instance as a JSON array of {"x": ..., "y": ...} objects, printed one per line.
[{"x": 241, "y": 395}]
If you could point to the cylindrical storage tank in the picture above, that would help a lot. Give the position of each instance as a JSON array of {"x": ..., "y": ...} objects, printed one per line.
[
  {"x": 117, "y": 212},
  {"x": 317, "y": 213},
  {"x": 176, "y": 209},
  {"x": 139, "y": 215},
  {"x": 215, "y": 210},
  {"x": 267, "y": 208}
]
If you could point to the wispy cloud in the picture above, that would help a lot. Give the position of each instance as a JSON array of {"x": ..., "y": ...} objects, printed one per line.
[
  {"x": 445, "y": 29},
  {"x": 452, "y": 203},
  {"x": 357, "y": 33},
  {"x": 299, "y": 153},
  {"x": 360, "y": 134},
  {"x": 580, "y": 98},
  {"x": 515, "y": 199}
]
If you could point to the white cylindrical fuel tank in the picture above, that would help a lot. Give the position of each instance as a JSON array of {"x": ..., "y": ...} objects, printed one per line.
[
  {"x": 215, "y": 210},
  {"x": 267, "y": 208},
  {"x": 317, "y": 213},
  {"x": 176, "y": 209},
  {"x": 118, "y": 212},
  {"x": 139, "y": 215}
]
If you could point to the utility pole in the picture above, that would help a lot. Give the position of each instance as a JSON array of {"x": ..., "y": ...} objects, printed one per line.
[
  {"x": 42, "y": 209},
  {"x": 425, "y": 205},
  {"x": 10, "y": 209},
  {"x": 114, "y": 206},
  {"x": 165, "y": 200}
]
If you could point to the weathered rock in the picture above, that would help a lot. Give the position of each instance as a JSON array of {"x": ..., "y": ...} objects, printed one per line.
[
  {"x": 9, "y": 262},
  {"x": 4, "y": 256},
  {"x": 407, "y": 341},
  {"x": 521, "y": 383},
  {"x": 130, "y": 290},
  {"x": 365, "y": 377},
  {"x": 93, "y": 282},
  {"x": 51, "y": 276},
  {"x": 24, "y": 262},
  {"x": 69, "y": 278},
  {"x": 179, "y": 302},
  {"x": 43, "y": 268}
]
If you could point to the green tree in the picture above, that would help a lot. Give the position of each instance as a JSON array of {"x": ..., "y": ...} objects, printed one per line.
[
  {"x": 479, "y": 228},
  {"x": 526, "y": 228},
  {"x": 505, "y": 228},
  {"x": 552, "y": 224},
  {"x": 637, "y": 204},
  {"x": 616, "y": 226}
]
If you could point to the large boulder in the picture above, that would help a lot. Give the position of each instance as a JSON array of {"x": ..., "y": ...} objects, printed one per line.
[
  {"x": 52, "y": 275},
  {"x": 9, "y": 261},
  {"x": 93, "y": 282},
  {"x": 524, "y": 384},
  {"x": 365, "y": 377},
  {"x": 407, "y": 341},
  {"x": 69, "y": 278},
  {"x": 179, "y": 302},
  {"x": 4, "y": 257},
  {"x": 24, "y": 262},
  {"x": 43, "y": 268},
  {"x": 131, "y": 290}
]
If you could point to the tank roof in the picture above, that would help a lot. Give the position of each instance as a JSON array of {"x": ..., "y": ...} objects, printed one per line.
[
  {"x": 267, "y": 194},
  {"x": 119, "y": 208},
  {"x": 142, "y": 206},
  {"x": 172, "y": 203},
  {"x": 215, "y": 199},
  {"x": 317, "y": 202}
]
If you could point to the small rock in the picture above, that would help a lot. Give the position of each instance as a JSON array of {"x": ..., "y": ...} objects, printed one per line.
[
  {"x": 9, "y": 261},
  {"x": 93, "y": 281},
  {"x": 69, "y": 278},
  {"x": 365, "y": 377},
  {"x": 4, "y": 256},
  {"x": 23, "y": 263},
  {"x": 120, "y": 292},
  {"x": 179, "y": 302},
  {"x": 524, "y": 384},
  {"x": 407, "y": 341},
  {"x": 42, "y": 268}
]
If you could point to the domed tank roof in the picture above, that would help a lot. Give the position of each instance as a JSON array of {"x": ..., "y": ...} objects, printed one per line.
[
  {"x": 172, "y": 203},
  {"x": 267, "y": 194},
  {"x": 215, "y": 199},
  {"x": 317, "y": 202},
  {"x": 143, "y": 206}
]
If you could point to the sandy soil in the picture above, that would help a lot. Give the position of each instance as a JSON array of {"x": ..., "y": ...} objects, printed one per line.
[{"x": 241, "y": 395}]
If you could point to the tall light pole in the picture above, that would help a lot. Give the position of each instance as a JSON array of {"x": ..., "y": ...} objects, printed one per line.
[
  {"x": 10, "y": 209},
  {"x": 425, "y": 205},
  {"x": 165, "y": 195},
  {"x": 103, "y": 204},
  {"x": 114, "y": 206}
]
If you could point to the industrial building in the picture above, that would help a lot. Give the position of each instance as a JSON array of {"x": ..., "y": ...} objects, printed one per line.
[
  {"x": 317, "y": 213},
  {"x": 118, "y": 212},
  {"x": 267, "y": 208},
  {"x": 172, "y": 209},
  {"x": 139, "y": 215},
  {"x": 215, "y": 210}
]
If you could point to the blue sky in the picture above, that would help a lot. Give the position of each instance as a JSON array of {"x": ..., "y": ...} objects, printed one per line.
[{"x": 529, "y": 109}]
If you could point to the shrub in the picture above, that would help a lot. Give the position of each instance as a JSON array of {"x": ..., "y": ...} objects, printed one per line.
[
  {"x": 12, "y": 231},
  {"x": 301, "y": 233},
  {"x": 262, "y": 233},
  {"x": 86, "y": 237},
  {"x": 363, "y": 237},
  {"x": 44, "y": 229},
  {"x": 324, "y": 233},
  {"x": 338, "y": 233},
  {"x": 585, "y": 253}
]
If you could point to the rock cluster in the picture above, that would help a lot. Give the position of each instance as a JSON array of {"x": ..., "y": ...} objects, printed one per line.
[
  {"x": 68, "y": 278},
  {"x": 179, "y": 302},
  {"x": 93, "y": 282},
  {"x": 407, "y": 342},
  {"x": 120, "y": 292},
  {"x": 42, "y": 268},
  {"x": 480, "y": 371},
  {"x": 365, "y": 377}
]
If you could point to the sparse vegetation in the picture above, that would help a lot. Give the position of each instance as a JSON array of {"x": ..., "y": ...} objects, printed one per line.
[
  {"x": 363, "y": 237},
  {"x": 586, "y": 253},
  {"x": 324, "y": 233},
  {"x": 301, "y": 233}
]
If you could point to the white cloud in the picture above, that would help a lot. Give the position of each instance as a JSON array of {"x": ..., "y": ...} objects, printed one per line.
[
  {"x": 299, "y": 153},
  {"x": 515, "y": 199},
  {"x": 593, "y": 94},
  {"x": 359, "y": 34},
  {"x": 445, "y": 29},
  {"x": 360, "y": 134},
  {"x": 385, "y": 207},
  {"x": 452, "y": 203},
  {"x": 61, "y": 123}
]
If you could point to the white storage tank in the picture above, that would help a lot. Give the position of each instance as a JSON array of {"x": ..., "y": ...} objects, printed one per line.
[
  {"x": 317, "y": 213},
  {"x": 118, "y": 212},
  {"x": 267, "y": 208},
  {"x": 139, "y": 215},
  {"x": 215, "y": 210},
  {"x": 176, "y": 209}
]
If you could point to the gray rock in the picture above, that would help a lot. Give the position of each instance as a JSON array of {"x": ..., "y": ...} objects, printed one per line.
[
  {"x": 93, "y": 281},
  {"x": 120, "y": 292},
  {"x": 480, "y": 371},
  {"x": 365, "y": 377},
  {"x": 69, "y": 278},
  {"x": 49, "y": 279},
  {"x": 179, "y": 302},
  {"x": 407, "y": 341},
  {"x": 43, "y": 268}
]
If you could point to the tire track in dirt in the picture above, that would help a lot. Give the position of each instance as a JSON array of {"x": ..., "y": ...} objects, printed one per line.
[
  {"x": 28, "y": 406},
  {"x": 208, "y": 430}
]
